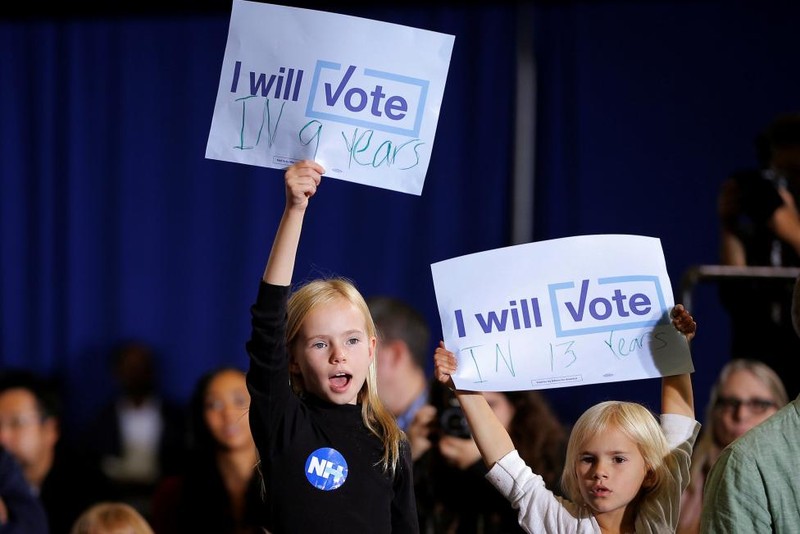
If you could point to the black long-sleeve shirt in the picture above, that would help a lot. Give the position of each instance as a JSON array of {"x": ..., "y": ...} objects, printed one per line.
[{"x": 320, "y": 463}]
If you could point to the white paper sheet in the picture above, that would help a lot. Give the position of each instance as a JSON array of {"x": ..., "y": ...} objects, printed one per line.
[
  {"x": 565, "y": 312},
  {"x": 359, "y": 96}
]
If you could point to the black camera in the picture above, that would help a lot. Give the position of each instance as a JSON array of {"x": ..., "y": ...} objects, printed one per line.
[
  {"x": 451, "y": 420},
  {"x": 454, "y": 423}
]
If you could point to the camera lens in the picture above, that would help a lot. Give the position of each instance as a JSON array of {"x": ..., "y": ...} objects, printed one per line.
[{"x": 454, "y": 423}]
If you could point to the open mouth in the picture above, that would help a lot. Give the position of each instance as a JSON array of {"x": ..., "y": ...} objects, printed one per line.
[{"x": 340, "y": 381}]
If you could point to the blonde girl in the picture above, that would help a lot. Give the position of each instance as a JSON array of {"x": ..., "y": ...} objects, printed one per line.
[
  {"x": 332, "y": 457},
  {"x": 624, "y": 470}
]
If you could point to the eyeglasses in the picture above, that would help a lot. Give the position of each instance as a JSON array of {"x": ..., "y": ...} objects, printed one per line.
[
  {"x": 732, "y": 404},
  {"x": 18, "y": 421}
]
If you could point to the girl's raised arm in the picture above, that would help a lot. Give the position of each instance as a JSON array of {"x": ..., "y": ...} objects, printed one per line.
[
  {"x": 676, "y": 391},
  {"x": 301, "y": 179},
  {"x": 488, "y": 432}
]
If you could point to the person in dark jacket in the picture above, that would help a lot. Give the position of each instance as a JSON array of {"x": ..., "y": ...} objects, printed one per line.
[
  {"x": 138, "y": 436},
  {"x": 21, "y": 512},
  {"x": 65, "y": 479}
]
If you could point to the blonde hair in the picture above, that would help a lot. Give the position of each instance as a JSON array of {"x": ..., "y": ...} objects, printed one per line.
[
  {"x": 111, "y": 518},
  {"x": 376, "y": 417},
  {"x": 639, "y": 425}
]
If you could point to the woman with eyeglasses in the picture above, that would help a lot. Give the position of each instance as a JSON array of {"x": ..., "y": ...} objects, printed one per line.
[{"x": 745, "y": 393}]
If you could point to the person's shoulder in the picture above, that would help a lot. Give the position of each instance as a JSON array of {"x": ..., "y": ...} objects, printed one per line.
[
  {"x": 785, "y": 419},
  {"x": 784, "y": 422},
  {"x": 789, "y": 413},
  {"x": 763, "y": 455}
]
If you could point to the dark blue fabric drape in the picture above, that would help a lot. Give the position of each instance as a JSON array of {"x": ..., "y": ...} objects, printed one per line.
[
  {"x": 644, "y": 108},
  {"x": 114, "y": 225}
]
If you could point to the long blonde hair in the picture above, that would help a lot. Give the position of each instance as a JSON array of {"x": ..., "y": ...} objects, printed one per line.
[
  {"x": 639, "y": 425},
  {"x": 376, "y": 417}
]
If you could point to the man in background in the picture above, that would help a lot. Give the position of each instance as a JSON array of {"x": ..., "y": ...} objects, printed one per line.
[
  {"x": 137, "y": 437},
  {"x": 65, "y": 481},
  {"x": 402, "y": 350}
]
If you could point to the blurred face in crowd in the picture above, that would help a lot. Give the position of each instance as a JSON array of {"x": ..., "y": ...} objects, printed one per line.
[
  {"x": 23, "y": 431},
  {"x": 226, "y": 404},
  {"x": 743, "y": 402},
  {"x": 136, "y": 372}
]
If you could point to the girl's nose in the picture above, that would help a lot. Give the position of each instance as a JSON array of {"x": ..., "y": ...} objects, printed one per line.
[{"x": 600, "y": 471}]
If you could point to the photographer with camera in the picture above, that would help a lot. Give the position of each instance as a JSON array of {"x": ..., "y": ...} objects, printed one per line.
[{"x": 453, "y": 490}]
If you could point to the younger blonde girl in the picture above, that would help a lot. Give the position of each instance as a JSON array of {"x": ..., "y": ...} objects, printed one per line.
[{"x": 624, "y": 472}]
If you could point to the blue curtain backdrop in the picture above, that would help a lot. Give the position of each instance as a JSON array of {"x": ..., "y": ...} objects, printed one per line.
[
  {"x": 643, "y": 109},
  {"x": 113, "y": 224}
]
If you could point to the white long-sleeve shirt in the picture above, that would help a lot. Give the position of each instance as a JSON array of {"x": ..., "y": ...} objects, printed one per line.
[{"x": 541, "y": 511}]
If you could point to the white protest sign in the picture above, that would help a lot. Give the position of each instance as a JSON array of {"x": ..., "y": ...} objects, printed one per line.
[
  {"x": 565, "y": 312},
  {"x": 360, "y": 97}
]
